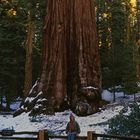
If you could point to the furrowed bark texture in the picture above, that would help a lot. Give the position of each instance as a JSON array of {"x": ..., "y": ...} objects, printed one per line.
[
  {"x": 70, "y": 70},
  {"x": 29, "y": 51},
  {"x": 71, "y": 58}
]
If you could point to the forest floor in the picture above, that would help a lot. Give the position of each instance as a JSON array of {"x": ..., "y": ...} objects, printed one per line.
[{"x": 57, "y": 123}]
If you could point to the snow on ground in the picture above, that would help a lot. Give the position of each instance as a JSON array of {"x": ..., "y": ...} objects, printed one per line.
[
  {"x": 57, "y": 123},
  {"x": 15, "y": 105},
  {"x": 119, "y": 96}
]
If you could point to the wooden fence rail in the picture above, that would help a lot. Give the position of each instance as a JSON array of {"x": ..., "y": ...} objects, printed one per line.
[
  {"x": 43, "y": 135},
  {"x": 93, "y": 136},
  {"x": 18, "y": 136}
]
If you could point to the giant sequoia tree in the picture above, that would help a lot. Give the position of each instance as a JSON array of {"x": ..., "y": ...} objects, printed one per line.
[{"x": 70, "y": 72}]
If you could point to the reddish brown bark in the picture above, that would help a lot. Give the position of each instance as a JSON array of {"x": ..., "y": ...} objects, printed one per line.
[
  {"x": 29, "y": 51},
  {"x": 70, "y": 56},
  {"x": 70, "y": 70}
]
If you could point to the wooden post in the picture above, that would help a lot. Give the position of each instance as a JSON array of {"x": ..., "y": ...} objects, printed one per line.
[
  {"x": 94, "y": 136},
  {"x": 42, "y": 135},
  {"x": 91, "y": 136}
]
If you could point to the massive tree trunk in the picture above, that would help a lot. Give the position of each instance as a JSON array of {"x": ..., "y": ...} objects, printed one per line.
[{"x": 70, "y": 70}]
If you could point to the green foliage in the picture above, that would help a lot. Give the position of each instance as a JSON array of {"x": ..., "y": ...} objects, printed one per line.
[
  {"x": 117, "y": 45},
  {"x": 118, "y": 26},
  {"x": 129, "y": 71},
  {"x": 13, "y": 27},
  {"x": 127, "y": 122},
  {"x": 12, "y": 36}
]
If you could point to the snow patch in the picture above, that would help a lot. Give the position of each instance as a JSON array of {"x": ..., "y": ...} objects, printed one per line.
[
  {"x": 39, "y": 94},
  {"x": 90, "y": 87},
  {"x": 33, "y": 87},
  {"x": 15, "y": 105},
  {"x": 41, "y": 100},
  {"x": 29, "y": 99},
  {"x": 128, "y": 111}
]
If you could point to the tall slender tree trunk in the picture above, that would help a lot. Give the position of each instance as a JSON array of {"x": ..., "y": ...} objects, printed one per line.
[
  {"x": 138, "y": 39},
  {"x": 29, "y": 51},
  {"x": 70, "y": 72},
  {"x": 137, "y": 59}
]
